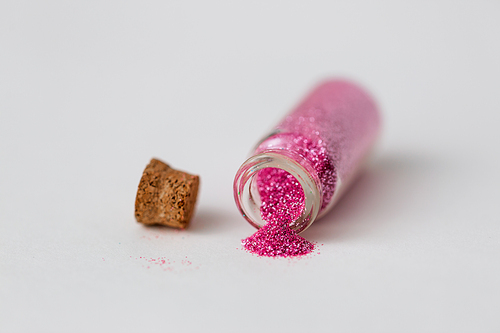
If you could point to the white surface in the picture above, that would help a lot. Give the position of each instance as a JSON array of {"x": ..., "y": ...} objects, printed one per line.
[{"x": 90, "y": 91}]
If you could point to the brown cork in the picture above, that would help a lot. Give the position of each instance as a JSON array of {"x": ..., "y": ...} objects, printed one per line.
[{"x": 165, "y": 196}]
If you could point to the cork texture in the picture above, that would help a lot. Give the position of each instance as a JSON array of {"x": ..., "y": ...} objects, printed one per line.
[{"x": 166, "y": 196}]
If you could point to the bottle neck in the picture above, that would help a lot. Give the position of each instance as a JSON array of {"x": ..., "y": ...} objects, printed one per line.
[{"x": 247, "y": 195}]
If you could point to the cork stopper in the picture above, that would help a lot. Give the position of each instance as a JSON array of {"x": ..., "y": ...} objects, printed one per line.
[{"x": 165, "y": 196}]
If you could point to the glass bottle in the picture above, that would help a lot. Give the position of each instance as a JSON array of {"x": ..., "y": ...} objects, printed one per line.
[{"x": 323, "y": 143}]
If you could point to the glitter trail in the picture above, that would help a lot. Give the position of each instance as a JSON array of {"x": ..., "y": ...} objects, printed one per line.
[{"x": 282, "y": 202}]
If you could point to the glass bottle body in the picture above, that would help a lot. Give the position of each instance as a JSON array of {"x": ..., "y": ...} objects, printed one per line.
[{"x": 323, "y": 143}]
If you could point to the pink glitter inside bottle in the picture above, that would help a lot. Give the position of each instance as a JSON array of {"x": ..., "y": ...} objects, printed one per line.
[{"x": 300, "y": 170}]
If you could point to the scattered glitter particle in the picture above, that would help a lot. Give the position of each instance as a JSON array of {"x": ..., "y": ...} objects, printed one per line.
[{"x": 168, "y": 265}]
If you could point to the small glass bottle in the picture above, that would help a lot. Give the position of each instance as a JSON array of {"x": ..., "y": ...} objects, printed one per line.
[{"x": 323, "y": 143}]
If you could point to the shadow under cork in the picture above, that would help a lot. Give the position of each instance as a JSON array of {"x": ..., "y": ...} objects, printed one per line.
[
  {"x": 387, "y": 190},
  {"x": 210, "y": 220},
  {"x": 206, "y": 220}
]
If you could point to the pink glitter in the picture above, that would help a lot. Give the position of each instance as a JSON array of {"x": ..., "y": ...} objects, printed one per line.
[
  {"x": 312, "y": 150},
  {"x": 282, "y": 202}
]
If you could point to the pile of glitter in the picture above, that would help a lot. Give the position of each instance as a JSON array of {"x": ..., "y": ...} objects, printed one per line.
[{"x": 282, "y": 202}]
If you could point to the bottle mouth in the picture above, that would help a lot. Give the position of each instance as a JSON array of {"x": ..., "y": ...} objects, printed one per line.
[{"x": 246, "y": 193}]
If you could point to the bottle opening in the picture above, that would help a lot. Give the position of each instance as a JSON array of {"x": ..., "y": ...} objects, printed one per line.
[{"x": 278, "y": 181}]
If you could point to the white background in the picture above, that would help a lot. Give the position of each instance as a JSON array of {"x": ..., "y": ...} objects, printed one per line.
[{"x": 91, "y": 90}]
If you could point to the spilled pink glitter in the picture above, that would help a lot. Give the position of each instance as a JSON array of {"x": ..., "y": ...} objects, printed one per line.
[{"x": 282, "y": 202}]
